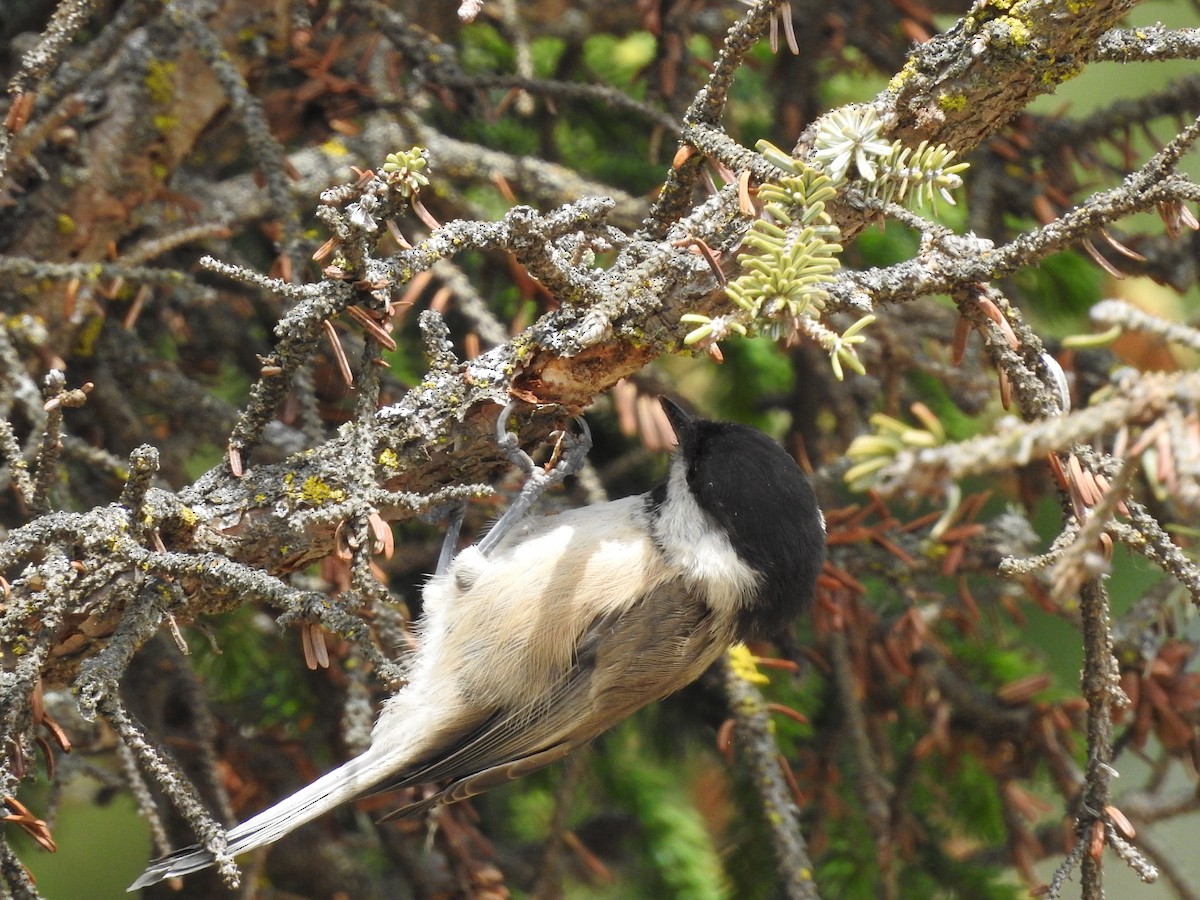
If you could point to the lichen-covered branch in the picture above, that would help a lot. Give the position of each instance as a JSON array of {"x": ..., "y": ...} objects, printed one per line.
[{"x": 372, "y": 226}]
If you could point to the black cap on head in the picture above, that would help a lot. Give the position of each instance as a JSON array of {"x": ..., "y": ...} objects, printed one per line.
[{"x": 757, "y": 494}]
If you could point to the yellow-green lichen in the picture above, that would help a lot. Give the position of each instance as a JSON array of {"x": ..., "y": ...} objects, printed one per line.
[
  {"x": 1058, "y": 73},
  {"x": 898, "y": 80},
  {"x": 389, "y": 460},
  {"x": 22, "y": 321},
  {"x": 742, "y": 662},
  {"x": 64, "y": 224},
  {"x": 1018, "y": 31},
  {"x": 952, "y": 102},
  {"x": 317, "y": 492},
  {"x": 160, "y": 81},
  {"x": 188, "y": 515},
  {"x": 523, "y": 347},
  {"x": 88, "y": 335}
]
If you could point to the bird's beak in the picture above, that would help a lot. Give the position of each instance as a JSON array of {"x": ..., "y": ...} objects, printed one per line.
[{"x": 679, "y": 417}]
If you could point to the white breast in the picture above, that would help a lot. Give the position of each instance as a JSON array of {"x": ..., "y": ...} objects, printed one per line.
[{"x": 501, "y": 626}]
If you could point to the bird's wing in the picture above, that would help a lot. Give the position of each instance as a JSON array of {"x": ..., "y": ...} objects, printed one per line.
[{"x": 623, "y": 661}]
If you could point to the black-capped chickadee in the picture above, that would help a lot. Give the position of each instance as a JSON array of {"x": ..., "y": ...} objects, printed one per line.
[{"x": 573, "y": 621}]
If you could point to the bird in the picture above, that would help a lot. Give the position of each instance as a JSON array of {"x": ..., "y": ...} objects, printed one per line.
[{"x": 572, "y": 621}]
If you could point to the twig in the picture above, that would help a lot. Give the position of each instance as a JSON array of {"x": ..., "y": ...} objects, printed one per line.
[
  {"x": 707, "y": 109},
  {"x": 873, "y": 790},
  {"x": 755, "y": 734}
]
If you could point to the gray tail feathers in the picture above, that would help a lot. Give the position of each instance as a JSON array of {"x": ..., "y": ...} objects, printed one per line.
[{"x": 344, "y": 783}]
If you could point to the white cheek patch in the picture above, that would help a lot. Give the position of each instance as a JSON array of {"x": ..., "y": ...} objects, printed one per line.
[{"x": 699, "y": 548}]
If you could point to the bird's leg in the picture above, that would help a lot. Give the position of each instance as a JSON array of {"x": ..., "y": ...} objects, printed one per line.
[
  {"x": 454, "y": 520},
  {"x": 537, "y": 478}
]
